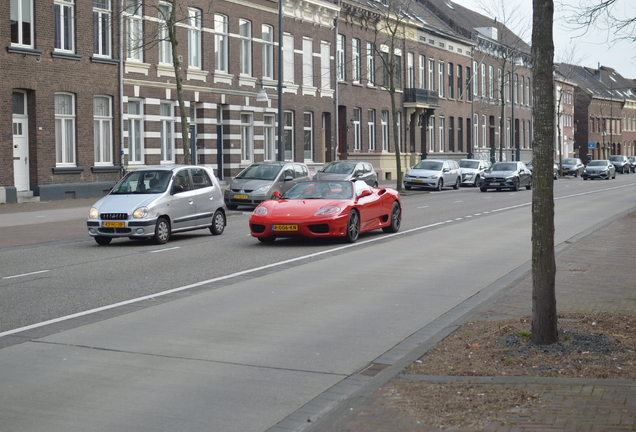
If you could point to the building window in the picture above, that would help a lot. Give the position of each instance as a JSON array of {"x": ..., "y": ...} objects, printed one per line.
[
  {"x": 101, "y": 28},
  {"x": 451, "y": 134},
  {"x": 340, "y": 58},
  {"x": 194, "y": 38},
  {"x": 167, "y": 132},
  {"x": 247, "y": 137},
  {"x": 220, "y": 43},
  {"x": 468, "y": 85},
  {"x": 431, "y": 74},
  {"x": 431, "y": 134},
  {"x": 398, "y": 124},
  {"x": 102, "y": 130},
  {"x": 451, "y": 81},
  {"x": 355, "y": 122},
  {"x": 484, "y": 137},
  {"x": 410, "y": 70},
  {"x": 440, "y": 77},
  {"x": 491, "y": 83},
  {"x": 499, "y": 97},
  {"x": 268, "y": 50},
  {"x": 165, "y": 46},
  {"x": 245, "y": 47},
  {"x": 385, "y": 131},
  {"x": 460, "y": 134},
  {"x": 475, "y": 79},
  {"x": 397, "y": 71},
  {"x": 135, "y": 132},
  {"x": 288, "y": 135},
  {"x": 63, "y": 12},
  {"x": 134, "y": 30},
  {"x": 355, "y": 60},
  {"x": 483, "y": 80},
  {"x": 460, "y": 83},
  {"x": 288, "y": 58},
  {"x": 371, "y": 127},
  {"x": 325, "y": 65},
  {"x": 269, "y": 141},
  {"x": 65, "y": 129},
  {"x": 441, "y": 134},
  {"x": 308, "y": 136},
  {"x": 476, "y": 130},
  {"x": 22, "y": 23},
  {"x": 308, "y": 63},
  {"x": 422, "y": 70},
  {"x": 370, "y": 63}
]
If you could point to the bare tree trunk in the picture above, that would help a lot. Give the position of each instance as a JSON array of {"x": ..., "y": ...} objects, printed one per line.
[{"x": 544, "y": 314}]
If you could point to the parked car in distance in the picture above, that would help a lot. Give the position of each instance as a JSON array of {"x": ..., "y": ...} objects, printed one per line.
[
  {"x": 433, "y": 173},
  {"x": 555, "y": 169},
  {"x": 154, "y": 202},
  {"x": 601, "y": 168},
  {"x": 472, "y": 170},
  {"x": 632, "y": 162},
  {"x": 348, "y": 170},
  {"x": 327, "y": 208},
  {"x": 259, "y": 181},
  {"x": 506, "y": 175},
  {"x": 572, "y": 166},
  {"x": 621, "y": 163}
]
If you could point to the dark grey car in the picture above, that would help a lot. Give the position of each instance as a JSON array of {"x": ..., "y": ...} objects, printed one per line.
[
  {"x": 349, "y": 170},
  {"x": 572, "y": 166},
  {"x": 257, "y": 182},
  {"x": 621, "y": 163},
  {"x": 506, "y": 175},
  {"x": 601, "y": 169}
]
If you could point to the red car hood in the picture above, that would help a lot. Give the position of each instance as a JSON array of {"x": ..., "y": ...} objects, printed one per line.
[{"x": 300, "y": 208}]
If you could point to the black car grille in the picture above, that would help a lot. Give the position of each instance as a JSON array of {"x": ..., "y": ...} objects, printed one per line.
[
  {"x": 115, "y": 231},
  {"x": 242, "y": 190},
  {"x": 495, "y": 179},
  {"x": 319, "y": 228},
  {"x": 258, "y": 228},
  {"x": 114, "y": 216}
]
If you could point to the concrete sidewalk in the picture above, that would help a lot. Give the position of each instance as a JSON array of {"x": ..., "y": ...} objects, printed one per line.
[{"x": 595, "y": 275}]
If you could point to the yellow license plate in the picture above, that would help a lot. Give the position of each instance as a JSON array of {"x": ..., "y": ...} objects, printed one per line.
[
  {"x": 114, "y": 224},
  {"x": 284, "y": 227},
  {"x": 417, "y": 181},
  {"x": 241, "y": 197}
]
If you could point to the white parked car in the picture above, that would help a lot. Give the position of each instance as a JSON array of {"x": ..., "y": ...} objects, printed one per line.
[
  {"x": 155, "y": 202},
  {"x": 434, "y": 173},
  {"x": 473, "y": 170}
]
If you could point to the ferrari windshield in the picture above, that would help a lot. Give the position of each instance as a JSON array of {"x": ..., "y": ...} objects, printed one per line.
[
  {"x": 260, "y": 172},
  {"x": 339, "y": 168},
  {"x": 429, "y": 165},
  {"x": 320, "y": 190},
  {"x": 143, "y": 182}
]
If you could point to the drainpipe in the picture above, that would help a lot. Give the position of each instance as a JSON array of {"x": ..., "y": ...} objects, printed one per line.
[
  {"x": 336, "y": 95},
  {"x": 121, "y": 88}
]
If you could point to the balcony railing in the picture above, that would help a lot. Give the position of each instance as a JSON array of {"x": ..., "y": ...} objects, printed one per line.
[{"x": 420, "y": 96}]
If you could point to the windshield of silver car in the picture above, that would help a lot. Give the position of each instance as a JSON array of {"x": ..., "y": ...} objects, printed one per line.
[
  {"x": 429, "y": 165},
  {"x": 260, "y": 172},
  {"x": 143, "y": 182}
]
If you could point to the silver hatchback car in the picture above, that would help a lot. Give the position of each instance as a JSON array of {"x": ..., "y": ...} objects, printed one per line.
[
  {"x": 154, "y": 202},
  {"x": 434, "y": 173}
]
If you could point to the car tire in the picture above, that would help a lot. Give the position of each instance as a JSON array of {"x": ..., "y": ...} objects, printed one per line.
[
  {"x": 353, "y": 227},
  {"x": 576, "y": 173},
  {"x": 396, "y": 219},
  {"x": 218, "y": 223},
  {"x": 584, "y": 178},
  {"x": 457, "y": 183},
  {"x": 477, "y": 181},
  {"x": 269, "y": 239},
  {"x": 614, "y": 176},
  {"x": 440, "y": 184},
  {"x": 483, "y": 189},
  {"x": 515, "y": 186},
  {"x": 529, "y": 186},
  {"x": 407, "y": 187},
  {"x": 162, "y": 231},
  {"x": 231, "y": 206},
  {"x": 102, "y": 240}
]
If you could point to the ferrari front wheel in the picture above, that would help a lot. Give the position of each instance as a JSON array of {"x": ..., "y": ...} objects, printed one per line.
[
  {"x": 353, "y": 227},
  {"x": 396, "y": 219}
]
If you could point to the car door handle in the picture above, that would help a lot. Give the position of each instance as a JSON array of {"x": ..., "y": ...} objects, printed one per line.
[{"x": 190, "y": 201}]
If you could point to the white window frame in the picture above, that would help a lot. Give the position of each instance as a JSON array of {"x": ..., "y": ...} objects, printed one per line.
[
  {"x": 103, "y": 130},
  {"x": 166, "y": 121},
  {"x": 288, "y": 58},
  {"x": 269, "y": 137},
  {"x": 431, "y": 134},
  {"x": 64, "y": 130},
  {"x": 288, "y": 135},
  {"x": 355, "y": 122},
  {"x": 440, "y": 78},
  {"x": 134, "y": 30},
  {"x": 20, "y": 18},
  {"x": 194, "y": 38},
  {"x": 102, "y": 39},
  {"x": 247, "y": 137},
  {"x": 370, "y": 64},
  {"x": 431, "y": 74},
  {"x": 475, "y": 79},
  {"x": 165, "y": 47},
  {"x": 410, "y": 70},
  {"x": 221, "y": 43},
  {"x": 422, "y": 71},
  {"x": 355, "y": 60},
  {"x": 484, "y": 129},
  {"x": 245, "y": 47},
  {"x": 64, "y": 28},
  {"x": 267, "y": 36},
  {"x": 371, "y": 129},
  {"x": 308, "y": 62},
  {"x": 340, "y": 58},
  {"x": 325, "y": 65},
  {"x": 308, "y": 136},
  {"x": 136, "y": 133},
  {"x": 442, "y": 134},
  {"x": 491, "y": 82},
  {"x": 476, "y": 130},
  {"x": 385, "y": 130},
  {"x": 483, "y": 80}
]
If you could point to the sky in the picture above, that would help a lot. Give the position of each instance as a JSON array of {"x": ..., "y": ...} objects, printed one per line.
[{"x": 590, "y": 49}]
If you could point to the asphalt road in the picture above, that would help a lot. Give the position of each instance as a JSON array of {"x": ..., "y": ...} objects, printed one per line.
[{"x": 226, "y": 334}]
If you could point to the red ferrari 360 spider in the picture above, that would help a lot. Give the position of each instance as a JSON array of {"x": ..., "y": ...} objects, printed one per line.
[{"x": 327, "y": 209}]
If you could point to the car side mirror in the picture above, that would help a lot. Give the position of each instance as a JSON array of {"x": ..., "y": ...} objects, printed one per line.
[
  {"x": 446, "y": 169},
  {"x": 276, "y": 194},
  {"x": 364, "y": 193},
  {"x": 176, "y": 189},
  {"x": 288, "y": 178}
]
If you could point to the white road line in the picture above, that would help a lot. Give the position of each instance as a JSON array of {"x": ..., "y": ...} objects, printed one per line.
[
  {"x": 166, "y": 249},
  {"x": 25, "y": 274}
]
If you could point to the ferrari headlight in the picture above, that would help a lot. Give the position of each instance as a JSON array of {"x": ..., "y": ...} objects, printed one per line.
[
  {"x": 93, "y": 213},
  {"x": 260, "y": 211},
  {"x": 328, "y": 211},
  {"x": 141, "y": 212}
]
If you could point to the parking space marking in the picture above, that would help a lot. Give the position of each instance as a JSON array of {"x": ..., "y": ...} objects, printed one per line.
[{"x": 25, "y": 274}]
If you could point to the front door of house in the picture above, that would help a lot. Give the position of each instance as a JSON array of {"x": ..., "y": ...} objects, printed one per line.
[{"x": 20, "y": 142}]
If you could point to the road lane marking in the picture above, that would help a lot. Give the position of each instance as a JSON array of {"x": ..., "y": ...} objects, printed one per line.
[
  {"x": 166, "y": 249},
  {"x": 25, "y": 274}
]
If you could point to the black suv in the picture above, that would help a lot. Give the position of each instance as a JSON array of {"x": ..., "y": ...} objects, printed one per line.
[{"x": 621, "y": 163}]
